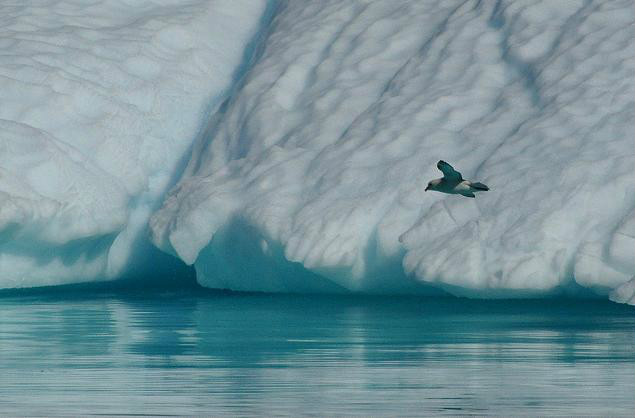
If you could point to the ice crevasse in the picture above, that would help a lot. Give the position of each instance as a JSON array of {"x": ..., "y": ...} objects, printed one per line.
[
  {"x": 296, "y": 139},
  {"x": 312, "y": 175}
]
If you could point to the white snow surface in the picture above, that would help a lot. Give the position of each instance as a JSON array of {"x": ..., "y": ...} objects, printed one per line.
[
  {"x": 312, "y": 176},
  {"x": 308, "y": 163},
  {"x": 99, "y": 103}
]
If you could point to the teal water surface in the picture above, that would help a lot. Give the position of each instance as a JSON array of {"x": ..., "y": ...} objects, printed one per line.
[{"x": 197, "y": 352}]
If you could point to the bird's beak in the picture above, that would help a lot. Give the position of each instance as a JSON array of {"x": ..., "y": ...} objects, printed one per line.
[{"x": 426, "y": 189}]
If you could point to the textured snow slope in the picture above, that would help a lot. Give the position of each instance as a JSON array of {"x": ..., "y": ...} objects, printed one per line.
[
  {"x": 99, "y": 102},
  {"x": 313, "y": 175}
]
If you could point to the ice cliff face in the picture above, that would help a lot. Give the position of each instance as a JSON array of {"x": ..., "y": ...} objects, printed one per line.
[
  {"x": 317, "y": 166},
  {"x": 310, "y": 176},
  {"x": 99, "y": 102}
]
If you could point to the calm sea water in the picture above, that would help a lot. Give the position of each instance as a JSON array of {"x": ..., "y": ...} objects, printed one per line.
[{"x": 197, "y": 352}]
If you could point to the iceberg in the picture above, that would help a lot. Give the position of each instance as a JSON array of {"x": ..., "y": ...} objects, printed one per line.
[
  {"x": 311, "y": 176},
  {"x": 285, "y": 146},
  {"x": 100, "y": 103}
]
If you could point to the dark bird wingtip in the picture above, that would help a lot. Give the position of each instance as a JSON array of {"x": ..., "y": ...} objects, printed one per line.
[{"x": 480, "y": 186}]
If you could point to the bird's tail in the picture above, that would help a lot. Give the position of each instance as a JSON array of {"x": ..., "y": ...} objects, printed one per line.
[{"x": 480, "y": 186}]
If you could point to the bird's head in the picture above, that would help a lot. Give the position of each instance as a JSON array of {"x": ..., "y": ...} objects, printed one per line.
[{"x": 432, "y": 185}]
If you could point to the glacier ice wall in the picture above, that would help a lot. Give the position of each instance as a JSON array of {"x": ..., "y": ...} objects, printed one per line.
[
  {"x": 99, "y": 104},
  {"x": 312, "y": 176}
]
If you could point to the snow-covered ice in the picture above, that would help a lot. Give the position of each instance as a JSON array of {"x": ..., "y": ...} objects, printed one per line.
[
  {"x": 316, "y": 167},
  {"x": 297, "y": 139},
  {"x": 625, "y": 293},
  {"x": 99, "y": 104}
]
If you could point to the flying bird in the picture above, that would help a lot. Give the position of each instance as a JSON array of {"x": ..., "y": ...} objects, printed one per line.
[{"x": 452, "y": 182}]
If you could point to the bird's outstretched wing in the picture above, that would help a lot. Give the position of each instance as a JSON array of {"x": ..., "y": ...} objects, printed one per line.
[{"x": 449, "y": 172}]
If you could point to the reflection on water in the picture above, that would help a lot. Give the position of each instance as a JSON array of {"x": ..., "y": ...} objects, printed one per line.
[{"x": 205, "y": 353}]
